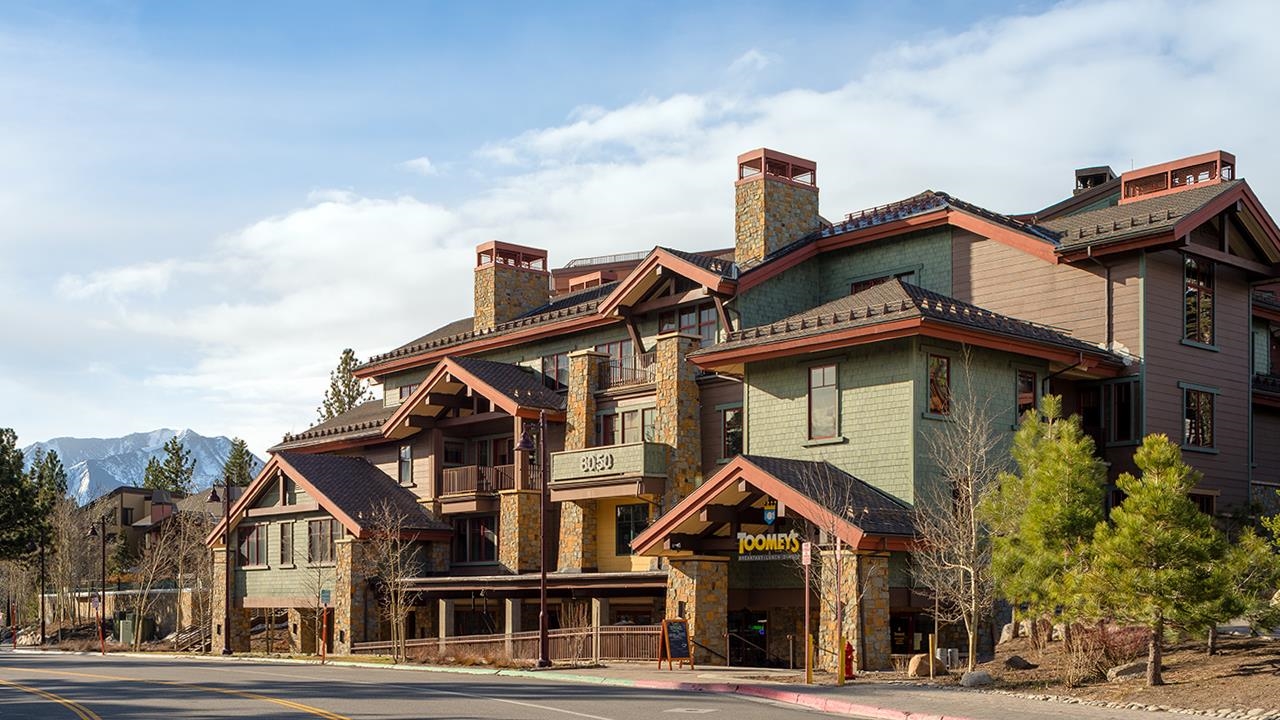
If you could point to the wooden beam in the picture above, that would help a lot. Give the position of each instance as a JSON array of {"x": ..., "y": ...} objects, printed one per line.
[
  {"x": 636, "y": 340},
  {"x": 724, "y": 314},
  {"x": 718, "y": 514},
  {"x": 419, "y": 422},
  {"x": 445, "y": 400},
  {"x": 1227, "y": 259}
]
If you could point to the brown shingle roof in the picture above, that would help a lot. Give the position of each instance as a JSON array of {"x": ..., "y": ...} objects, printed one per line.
[
  {"x": 359, "y": 489},
  {"x": 725, "y": 268},
  {"x": 869, "y": 508},
  {"x": 361, "y": 421},
  {"x": 1134, "y": 219},
  {"x": 524, "y": 386},
  {"x": 890, "y": 301}
]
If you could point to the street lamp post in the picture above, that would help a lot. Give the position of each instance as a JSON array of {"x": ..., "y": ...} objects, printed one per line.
[
  {"x": 102, "y": 584},
  {"x": 526, "y": 445},
  {"x": 42, "y": 587},
  {"x": 226, "y": 562}
]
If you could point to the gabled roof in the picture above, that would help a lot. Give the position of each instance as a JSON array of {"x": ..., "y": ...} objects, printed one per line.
[
  {"x": 515, "y": 389},
  {"x": 868, "y": 516},
  {"x": 578, "y": 308},
  {"x": 1142, "y": 217},
  {"x": 715, "y": 274},
  {"x": 901, "y": 308},
  {"x": 361, "y": 422},
  {"x": 351, "y": 489}
]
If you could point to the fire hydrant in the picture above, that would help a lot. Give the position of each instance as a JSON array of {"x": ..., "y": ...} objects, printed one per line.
[{"x": 848, "y": 660}]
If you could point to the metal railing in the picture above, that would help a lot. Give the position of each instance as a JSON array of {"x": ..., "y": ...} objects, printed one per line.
[
  {"x": 638, "y": 369},
  {"x": 487, "y": 480},
  {"x": 1266, "y": 383},
  {"x": 610, "y": 642}
]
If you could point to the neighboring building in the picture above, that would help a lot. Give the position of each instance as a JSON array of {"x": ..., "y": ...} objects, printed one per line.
[{"x": 696, "y": 401}]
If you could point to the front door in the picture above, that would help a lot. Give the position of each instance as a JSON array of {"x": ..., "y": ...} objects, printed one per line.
[{"x": 748, "y": 638}]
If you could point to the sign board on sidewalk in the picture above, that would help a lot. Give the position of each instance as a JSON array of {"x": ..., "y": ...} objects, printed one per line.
[
  {"x": 806, "y": 553},
  {"x": 673, "y": 643},
  {"x": 325, "y": 597}
]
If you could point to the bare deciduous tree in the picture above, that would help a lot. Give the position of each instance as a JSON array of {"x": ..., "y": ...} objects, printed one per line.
[
  {"x": 155, "y": 564},
  {"x": 390, "y": 555},
  {"x": 953, "y": 557}
]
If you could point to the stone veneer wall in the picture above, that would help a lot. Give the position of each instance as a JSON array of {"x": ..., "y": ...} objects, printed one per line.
[
  {"x": 349, "y": 599},
  {"x": 770, "y": 213},
  {"x": 677, "y": 424},
  {"x": 868, "y": 614},
  {"x": 702, "y": 585},
  {"x": 239, "y": 616},
  {"x": 504, "y": 292},
  {"x": 578, "y": 525},
  {"x": 519, "y": 530}
]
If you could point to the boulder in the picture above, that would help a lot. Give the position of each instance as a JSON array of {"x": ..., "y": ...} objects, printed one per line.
[
  {"x": 1017, "y": 662},
  {"x": 919, "y": 667},
  {"x": 976, "y": 678},
  {"x": 1128, "y": 670},
  {"x": 1006, "y": 633}
]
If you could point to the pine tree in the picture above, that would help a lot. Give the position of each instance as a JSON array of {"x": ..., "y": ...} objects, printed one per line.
[
  {"x": 174, "y": 473},
  {"x": 1153, "y": 564},
  {"x": 238, "y": 468},
  {"x": 345, "y": 389},
  {"x": 17, "y": 500},
  {"x": 1044, "y": 514}
]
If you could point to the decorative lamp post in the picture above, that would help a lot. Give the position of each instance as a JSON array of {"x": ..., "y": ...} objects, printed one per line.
[
  {"x": 226, "y": 557},
  {"x": 527, "y": 445},
  {"x": 102, "y": 584}
]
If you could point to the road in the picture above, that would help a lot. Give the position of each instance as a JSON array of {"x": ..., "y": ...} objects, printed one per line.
[{"x": 86, "y": 687}]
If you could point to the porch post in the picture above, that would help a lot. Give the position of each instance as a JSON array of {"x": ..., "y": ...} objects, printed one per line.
[{"x": 599, "y": 616}]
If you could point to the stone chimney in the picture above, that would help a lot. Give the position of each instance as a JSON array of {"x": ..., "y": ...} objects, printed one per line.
[
  {"x": 775, "y": 203},
  {"x": 510, "y": 280}
]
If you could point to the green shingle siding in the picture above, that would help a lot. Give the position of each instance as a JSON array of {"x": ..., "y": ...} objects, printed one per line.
[
  {"x": 275, "y": 580},
  {"x": 928, "y": 253}
]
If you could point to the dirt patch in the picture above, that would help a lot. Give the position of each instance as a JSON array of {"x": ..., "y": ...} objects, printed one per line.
[{"x": 1245, "y": 674}]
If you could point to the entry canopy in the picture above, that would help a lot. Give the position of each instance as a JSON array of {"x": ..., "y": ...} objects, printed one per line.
[{"x": 734, "y": 500}]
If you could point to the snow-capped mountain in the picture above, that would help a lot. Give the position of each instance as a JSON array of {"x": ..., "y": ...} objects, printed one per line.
[{"x": 96, "y": 466}]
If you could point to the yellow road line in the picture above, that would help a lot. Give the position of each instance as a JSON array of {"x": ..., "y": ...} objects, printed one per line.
[
  {"x": 81, "y": 711},
  {"x": 318, "y": 712}
]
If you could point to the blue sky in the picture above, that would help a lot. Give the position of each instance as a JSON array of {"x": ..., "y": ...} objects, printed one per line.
[{"x": 202, "y": 204}]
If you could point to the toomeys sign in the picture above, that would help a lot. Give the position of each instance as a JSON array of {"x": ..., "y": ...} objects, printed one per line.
[{"x": 769, "y": 546}]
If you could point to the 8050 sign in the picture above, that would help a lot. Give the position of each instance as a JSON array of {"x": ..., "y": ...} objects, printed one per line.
[{"x": 597, "y": 462}]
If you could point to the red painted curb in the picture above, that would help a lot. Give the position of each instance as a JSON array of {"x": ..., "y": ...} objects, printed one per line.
[{"x": 825, "y": 703}]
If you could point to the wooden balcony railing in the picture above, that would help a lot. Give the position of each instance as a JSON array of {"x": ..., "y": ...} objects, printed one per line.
[
  {"x": 487, "y": 480},
  {"x": 635, "y": 370}
]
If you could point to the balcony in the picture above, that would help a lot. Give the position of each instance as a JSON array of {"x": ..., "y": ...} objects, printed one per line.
[
  {"x": 1266, "y": 383},
  {"x": 475, "y": 488},
  {"x": 635, "y": 370},
  {"x": 610, "y": 471}
]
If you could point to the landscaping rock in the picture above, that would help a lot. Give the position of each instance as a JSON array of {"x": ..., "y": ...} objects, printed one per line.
[
  {"x": 1128, "y": 670},
  {"x": 1017, "y": 662},
  {"x": 977, "y": 678},
  {"x": 1006, "y": 634},
  {"x": 919, "y": 667}
]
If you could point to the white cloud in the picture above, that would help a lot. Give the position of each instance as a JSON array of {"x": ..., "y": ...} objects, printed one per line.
[
  {"x": 752, "y": 61},
  {"x": 421, "y": 165},
  {"x": 999, "y": 114}
]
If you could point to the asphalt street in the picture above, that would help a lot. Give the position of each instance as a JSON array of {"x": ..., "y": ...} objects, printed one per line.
[{"x": 82, "y": 687}]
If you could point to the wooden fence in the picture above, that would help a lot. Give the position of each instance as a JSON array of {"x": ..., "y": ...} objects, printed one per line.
[{"x": 611, "y": 642}]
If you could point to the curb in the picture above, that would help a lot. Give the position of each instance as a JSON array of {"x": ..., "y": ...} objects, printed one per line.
[{"x": 821, "y": 703}]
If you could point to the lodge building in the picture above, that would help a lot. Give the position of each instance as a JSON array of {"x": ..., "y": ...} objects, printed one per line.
[{"x": 784, "y": 387}]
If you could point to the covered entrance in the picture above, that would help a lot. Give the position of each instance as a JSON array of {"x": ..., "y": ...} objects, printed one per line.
[{"x": 734, "y": 546}]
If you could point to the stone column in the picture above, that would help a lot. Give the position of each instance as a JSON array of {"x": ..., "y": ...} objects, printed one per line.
[
  {"x": 519, "y": 530},
  {"x": 865, "y": 588},
  {"x": 349, "y": 601},
  {"x": 444, "y": 628},
  {"x": 302, "y": 631},
  {"x": 239, "y": 616},
  {"x": 700, "y": 587},
  {"x": 677, "y": 423},
  {"x": 578, "y": 517}
]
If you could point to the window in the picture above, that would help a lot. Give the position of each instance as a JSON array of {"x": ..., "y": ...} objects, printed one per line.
[
  {"x": 556, "y": 369},
  {"x": 824, "y": 401},
  {"x": 1197, "y": 408},
  {"x": 730, "y": 432},
  {"x": 701, "y": 320},
  {"x": 1124, "y": 411},
  {"x": 1026, "y": 392},
  {"x": 455, "y": 453},
  {"x": 621, "y": 352},
  {"x": 648, "y": 417},
  {"x": 320, "y": 540},
  {"x": 503, "y": 450},
  {"x": 1198, "y": 289},
  {"x": 252, "y": 546},
  {"x": 1204, "y": 502},
  {"x": 406, "y": 464},
  {"x": 475, "y": 539},
  {"x": 407, "y": 390},
  {"x": 859, "y": 286},
  {"x": 626, "y": 426},
  {"x": 939, "y": 385},
  {"x": 126, "y": 516},
  {"x": 608, "y": 430},
  {"x": 631, "y": 426},
  {"x": 286, "y": 543},
  {"x": 631, "y": 521}
]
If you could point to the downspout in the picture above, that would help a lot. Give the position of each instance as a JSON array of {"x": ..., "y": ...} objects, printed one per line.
[{"x": 1110, "y": 297}]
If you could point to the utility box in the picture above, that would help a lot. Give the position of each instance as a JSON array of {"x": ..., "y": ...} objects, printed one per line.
[{"x": 131, "y": 624}]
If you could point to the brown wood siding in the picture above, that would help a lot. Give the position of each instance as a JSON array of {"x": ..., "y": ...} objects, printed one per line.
[
  {"x": 714, "y": 394},
  {"x": 1012, "y": 282},
  {"x": 1169, "y": 362},
  {"x": 1266, "y": 447}
]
